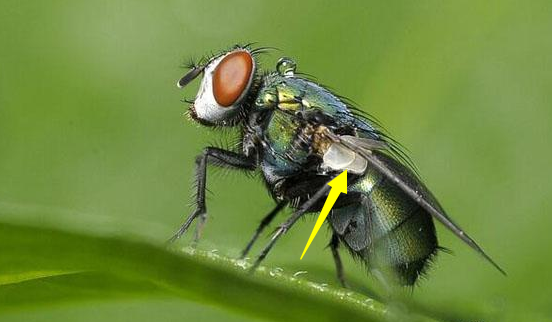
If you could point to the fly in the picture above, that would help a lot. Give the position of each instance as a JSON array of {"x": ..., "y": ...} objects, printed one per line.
[{"x": 299, "y": 136}]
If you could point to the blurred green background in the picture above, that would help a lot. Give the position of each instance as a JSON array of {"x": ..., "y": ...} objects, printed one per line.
[{"x": 93, "y": 138}]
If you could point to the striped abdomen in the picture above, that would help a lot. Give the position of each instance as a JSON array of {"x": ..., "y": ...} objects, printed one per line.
[{"x": 386, "y": 228}]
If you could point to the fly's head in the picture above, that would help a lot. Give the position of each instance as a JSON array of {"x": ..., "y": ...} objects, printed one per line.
[{"x": 228, "y": 82}]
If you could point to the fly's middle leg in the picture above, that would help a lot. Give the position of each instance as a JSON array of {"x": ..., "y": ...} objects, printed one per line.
[{"x": 264, "y": 222}]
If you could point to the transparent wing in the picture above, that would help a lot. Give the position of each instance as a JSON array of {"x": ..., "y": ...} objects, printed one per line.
[{"x": 412, "y": 186}]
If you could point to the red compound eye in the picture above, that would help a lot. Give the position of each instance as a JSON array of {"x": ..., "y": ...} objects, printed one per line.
[{"x": 231, "y": 77}]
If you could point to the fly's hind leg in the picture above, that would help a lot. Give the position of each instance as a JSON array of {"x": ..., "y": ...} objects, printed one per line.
[
  {"x": 218, "y": 157},
  {"x": 334, "y": 244}
]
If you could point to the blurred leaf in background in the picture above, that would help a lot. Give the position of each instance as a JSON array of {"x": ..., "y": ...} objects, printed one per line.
[{"x": 92, "y": 137}]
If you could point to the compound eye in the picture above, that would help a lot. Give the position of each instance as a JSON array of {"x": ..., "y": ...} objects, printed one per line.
[{"x": 231, "y": 77}]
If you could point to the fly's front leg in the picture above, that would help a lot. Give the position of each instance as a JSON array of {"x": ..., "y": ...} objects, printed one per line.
[{"x": 218, "y": 157}]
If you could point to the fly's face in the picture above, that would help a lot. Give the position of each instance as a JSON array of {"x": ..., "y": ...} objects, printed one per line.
[{"x": 227, "y": 80}]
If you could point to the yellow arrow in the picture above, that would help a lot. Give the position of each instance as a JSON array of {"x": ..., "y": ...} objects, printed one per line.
[{"x": 339, "y": 185}]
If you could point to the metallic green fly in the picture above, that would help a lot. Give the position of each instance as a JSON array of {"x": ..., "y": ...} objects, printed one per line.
[{"x": 299, "y": 135}]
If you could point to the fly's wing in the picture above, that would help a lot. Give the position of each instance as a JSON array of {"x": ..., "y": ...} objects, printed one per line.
[
  {"x": 403, "y": 178},
  {"x": 339, "y": 156}
]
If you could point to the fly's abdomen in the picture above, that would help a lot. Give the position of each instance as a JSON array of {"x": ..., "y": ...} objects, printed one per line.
[
  {"x": 404, "y": 234},
  {"x": 386, "y": 228}
]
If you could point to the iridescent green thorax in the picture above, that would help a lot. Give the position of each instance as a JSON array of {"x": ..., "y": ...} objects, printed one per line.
[
  {"x": 289, "y": 138},
  {"x": 298, "y": 111},
  {"x": 292, "y": 94},
  {"x": 281, "y": 136}
]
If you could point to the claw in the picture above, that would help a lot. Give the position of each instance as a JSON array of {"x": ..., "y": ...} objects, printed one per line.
[{"x": 182, "y": 230}]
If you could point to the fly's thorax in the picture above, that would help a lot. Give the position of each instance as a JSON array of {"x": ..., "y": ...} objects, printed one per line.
[
  {"x": 302, "y": 114},
  {"x": 320, "y": 141},
  {"x": 267, "y": 98},
  {"x": 287, "y": 137},
  {"x": 285, "y": 93},
  {"x": 287, "y": 147}
]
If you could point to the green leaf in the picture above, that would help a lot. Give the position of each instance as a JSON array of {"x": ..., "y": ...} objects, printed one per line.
[{"x": 40, "y": 266}]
